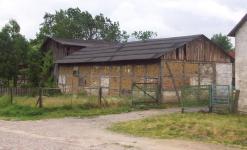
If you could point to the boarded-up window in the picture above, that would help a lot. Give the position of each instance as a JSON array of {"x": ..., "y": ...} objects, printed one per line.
[
  {"x": 104, "y": 81},
  {"x": 82, "y": 82}
]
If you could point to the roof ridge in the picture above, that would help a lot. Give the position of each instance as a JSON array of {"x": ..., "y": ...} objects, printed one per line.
[
  {"x": 237, "y": 26},
  {"x": 156, "y": 39},
  {"x": 78, "y": 41}
]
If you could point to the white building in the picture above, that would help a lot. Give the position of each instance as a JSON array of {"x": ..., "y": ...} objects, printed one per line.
[{"x": 240, "y": 34}]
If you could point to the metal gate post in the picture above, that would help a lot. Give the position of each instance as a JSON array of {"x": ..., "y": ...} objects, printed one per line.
[{"x": 210, "y": 98}]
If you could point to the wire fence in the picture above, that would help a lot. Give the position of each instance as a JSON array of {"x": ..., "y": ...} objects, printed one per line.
[
  {"x": 55, "y": 97},
  {"x": 218, "y": 98}
]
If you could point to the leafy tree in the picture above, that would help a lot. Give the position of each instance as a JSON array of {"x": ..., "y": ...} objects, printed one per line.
[
  {"x": 76, "y": 24},
  {"x": 34, "y": 66},
  {"x": 47, "y": 69},
  {"x": 223, "y": 41},
  {"x": 40, "y": 66},
  {"x": 13, "y": 52},
  {"x": 144, "y": 35},
  {"x": 5, "y": 62}
]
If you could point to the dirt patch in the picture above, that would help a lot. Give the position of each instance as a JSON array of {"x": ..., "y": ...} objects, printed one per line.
[{"x": 87, "y": 134}]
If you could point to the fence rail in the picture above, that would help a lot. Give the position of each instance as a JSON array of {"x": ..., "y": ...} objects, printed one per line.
[{"x": 18, "y": 91}]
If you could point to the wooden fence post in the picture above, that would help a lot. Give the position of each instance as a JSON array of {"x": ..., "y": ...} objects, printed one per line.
[
  {"x": 11, "y": 95},
  {"x": 100, "y": 95},
  {"x": 235, "y": 101},
  {"x": 40, "y": 101}
]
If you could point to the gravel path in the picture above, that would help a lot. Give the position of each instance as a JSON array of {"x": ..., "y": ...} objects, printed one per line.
[{"x": 87, "y": 134}]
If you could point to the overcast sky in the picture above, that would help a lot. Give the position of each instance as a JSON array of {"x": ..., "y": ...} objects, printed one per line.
[{"x": 166, "y": 17}]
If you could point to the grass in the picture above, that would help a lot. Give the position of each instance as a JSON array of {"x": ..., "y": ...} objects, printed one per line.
[
  {"x": 16, "y": 112},
  {"x": 61, "y": 106},
  {"x": 227, "y": 129}
]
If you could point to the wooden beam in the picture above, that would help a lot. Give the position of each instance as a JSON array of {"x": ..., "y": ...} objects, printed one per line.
[
  {"x": 214, "y": 73},
  {"x": 199, "y": 74},
  {"x": 90, "y": 77},
  {"x": 173, "y": 80},
  {"x": 110, "y": 83},
  {"x": 183, "y": 72},
  {"x": 199, "y": 81},
  {"x": 145, "y": 77},
  {"x": 120, "y": 79},
  {"x": 132, "y": 74},
  {"x": 160, "y": 95}
]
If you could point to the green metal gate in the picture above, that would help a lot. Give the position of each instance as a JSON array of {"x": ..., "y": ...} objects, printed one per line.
[
  {"x": 195, "y": 96},
  {"x": 221, "y": 98},
  {"x": 145, "y": 92},
  {"x": 216, "y": 97}
]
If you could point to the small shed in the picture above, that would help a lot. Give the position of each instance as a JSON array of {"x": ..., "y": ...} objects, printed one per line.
[
  {"x": 171, "y": 62},
  {"x": 62, "y": 47}
]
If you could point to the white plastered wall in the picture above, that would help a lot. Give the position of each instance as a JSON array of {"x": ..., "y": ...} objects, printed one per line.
[{"x": 241, "y": 66}]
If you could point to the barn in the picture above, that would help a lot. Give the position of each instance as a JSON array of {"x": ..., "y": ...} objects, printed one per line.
[{"x": 170, "y": 62}]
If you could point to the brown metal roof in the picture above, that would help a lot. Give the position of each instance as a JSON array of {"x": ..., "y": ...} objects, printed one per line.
[
  {"x": 77, "y": 42},
  {"x": 138, "y": 50},
  {"x": 240, "y": 23}
]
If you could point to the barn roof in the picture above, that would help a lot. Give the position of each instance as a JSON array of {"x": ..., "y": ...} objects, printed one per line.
[
  {"x": 137, "y": 50},
  {"x": 236, "y": 28},
  {"x": 76, "y": 42}
]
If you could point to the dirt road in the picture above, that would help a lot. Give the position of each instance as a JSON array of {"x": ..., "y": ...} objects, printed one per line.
[{"x": 87, "y": 134}]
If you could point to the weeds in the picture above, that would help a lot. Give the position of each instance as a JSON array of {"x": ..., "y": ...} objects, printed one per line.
[
  {"x": 4, "y": 101},
  {"x": 227, "y": 129}
]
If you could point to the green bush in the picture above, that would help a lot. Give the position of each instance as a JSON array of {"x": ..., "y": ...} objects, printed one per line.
[
  {"x": 5, "y": 101},
  {"x": 18, "y": 111}
]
